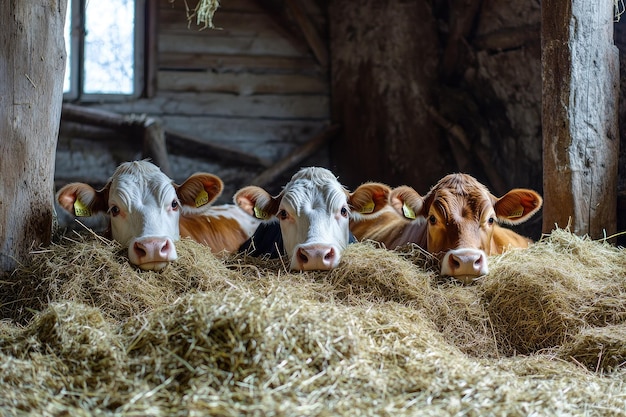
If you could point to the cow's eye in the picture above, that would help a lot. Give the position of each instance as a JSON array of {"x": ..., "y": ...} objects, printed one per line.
[
  {"x": 432, "y": 219},
  {"x": 175, "y": 205},
  {"x": 282, "y": 214},
  {"x": 114, "y": 211},
  {"x": 344, "y": 211},
  {"x": 491, "y": 220}
]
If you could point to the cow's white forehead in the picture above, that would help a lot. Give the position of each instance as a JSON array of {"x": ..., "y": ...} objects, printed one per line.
[
  {"x": 314, "y": 186},
  {"x": 139, "y": 181}
]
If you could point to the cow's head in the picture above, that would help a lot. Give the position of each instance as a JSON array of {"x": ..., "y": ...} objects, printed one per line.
[
  {"x": 313, "y": 210},
  {"x": 461, "y": 219},
  {"x": 144, "y": 208}
]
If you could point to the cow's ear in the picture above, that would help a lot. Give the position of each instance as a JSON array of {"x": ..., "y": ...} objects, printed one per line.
[
  {"x": 199, "y": 189},
  {"x": 369, "y": 198},
  {"x": 257, "y": 202},
  {"x": 82, "y": 200},
  {"x": 407, "y": 202},
  {"x": 517, "y": 205}
]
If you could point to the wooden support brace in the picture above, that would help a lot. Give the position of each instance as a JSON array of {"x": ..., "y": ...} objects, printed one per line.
[
  {"x": 310, "y": 33},
  {"x": 190, "y": 144},
  {"x": 295, "y": 157}
]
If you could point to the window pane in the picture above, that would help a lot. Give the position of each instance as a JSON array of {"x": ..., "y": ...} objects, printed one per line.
[
  {"x": 109, "y": 47},
  {"x": 68, "y": 50}
]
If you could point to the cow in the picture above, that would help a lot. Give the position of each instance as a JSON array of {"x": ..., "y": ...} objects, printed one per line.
[
  {"x": 308, "y": 221},
  {"x": 458, "y": 221},
  {"x": 147, "y": 212}
]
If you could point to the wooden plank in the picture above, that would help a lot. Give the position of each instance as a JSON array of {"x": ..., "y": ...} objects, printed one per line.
[
  {"x": 244, "y": 130},
  {"x": 189, "y": 145},
  {"x": 238, "y": 24},
  {"x": 580, "y": 73},
  {"x": 236, "y": 62},
  {"x": 228, "y": 5},
  {"x": 203, "y": 44},
  {"x": 268, "y": 139},
  {"x": 311, "y": 6},
  {"x": 244, "y": 84},
  {"x": 228, "y": 105}
]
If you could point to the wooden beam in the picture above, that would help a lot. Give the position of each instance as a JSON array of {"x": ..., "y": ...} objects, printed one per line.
[
  {"x": 191, "y": 145},
  {"x": 295, "y": 157},
  {"x": 316, "y": 43},
  {"x": 149, "y": 129},
  {"x": 580, "y": 73}
]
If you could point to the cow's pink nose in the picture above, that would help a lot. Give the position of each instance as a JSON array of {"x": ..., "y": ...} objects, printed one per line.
[
  {"x": 467, "y": 262},
  {"x": 316, "y": 257},
  {"x": 153, "y": 253}
]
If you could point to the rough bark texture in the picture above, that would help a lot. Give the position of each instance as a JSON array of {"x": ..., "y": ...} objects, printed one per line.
[
  {"x": 384, "y": 64},
  {"x": 580, "y": 102},
  {"x": 423, "y": 89},
  {"x": 32, "y": 64}
]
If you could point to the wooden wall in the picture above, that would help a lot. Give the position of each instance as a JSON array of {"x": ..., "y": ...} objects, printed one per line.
[
  {"x": 471, "y": 70},
  {"x": 253, "y": 85}
]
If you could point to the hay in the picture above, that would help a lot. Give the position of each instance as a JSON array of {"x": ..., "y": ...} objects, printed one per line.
[
  {"x": 540, "y": 297},
  {"x": 203, "y": 12},
  {"x": 380, "y": 335}
]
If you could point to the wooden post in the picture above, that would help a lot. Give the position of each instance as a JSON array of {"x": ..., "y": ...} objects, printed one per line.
[
  {"x": 384, "y": 59},
  {"x": 579, "y": 116},
  {"x": 32, "y": 64}
]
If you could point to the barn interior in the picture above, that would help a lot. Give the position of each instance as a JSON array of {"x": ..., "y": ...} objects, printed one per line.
[
  {"x": 356, "y": 87},
  {"x": 401, "y": 92}
]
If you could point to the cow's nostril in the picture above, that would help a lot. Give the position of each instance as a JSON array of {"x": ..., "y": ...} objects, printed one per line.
[
  {"x": 302, "y": 256},
  {"x": 139, "y": 250},
  {"x": 330, "y": 254},
  {"x": 166, "y": 247}
]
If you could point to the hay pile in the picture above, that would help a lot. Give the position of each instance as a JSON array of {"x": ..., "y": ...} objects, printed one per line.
[{"x": 544, "y": 334}]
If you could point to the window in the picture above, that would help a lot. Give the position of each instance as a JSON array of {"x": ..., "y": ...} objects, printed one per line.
[{"x": 104, "y": 43}]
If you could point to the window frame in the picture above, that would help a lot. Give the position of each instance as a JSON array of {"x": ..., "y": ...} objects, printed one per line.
[{"x": 77, "y": 56}]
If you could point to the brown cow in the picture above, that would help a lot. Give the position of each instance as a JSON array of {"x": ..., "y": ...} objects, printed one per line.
[{"x": 457, "y": 221}]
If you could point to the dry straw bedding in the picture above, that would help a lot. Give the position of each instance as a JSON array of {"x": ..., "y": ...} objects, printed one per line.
[{"x": 543, "y": 334}]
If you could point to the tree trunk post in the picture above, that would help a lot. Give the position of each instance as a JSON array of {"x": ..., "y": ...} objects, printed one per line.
[
  {"x": 580, "y": 90},
  {"x": 383, "y": 69},
  {"x": 32, "y": 65}
]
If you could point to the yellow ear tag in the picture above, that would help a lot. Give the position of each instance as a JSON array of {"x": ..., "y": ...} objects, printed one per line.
[
  {"x": 408, "y": 212},
  {"x": 368, "y": 208},
  {"x": 517, "y": 213},
  {"x": 80, "y": 209},
  {"x": 202, "y": 198},
  {"x": 260, "y": 214}
]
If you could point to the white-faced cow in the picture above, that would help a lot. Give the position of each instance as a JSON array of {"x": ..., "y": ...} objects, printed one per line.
[
  {"x": 308, "y": 221},
  {"x": 458, "y": 221},
  {"x": 148, "y": 212}
]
